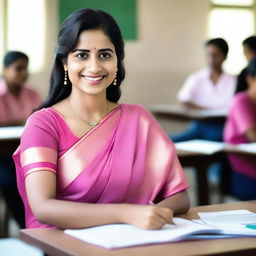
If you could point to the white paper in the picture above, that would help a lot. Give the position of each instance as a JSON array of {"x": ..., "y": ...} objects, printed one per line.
[
  {"x": 231, "y": 222},
  {"x": 12, "y": 132},
  {"x": 124, "y": 235},
  {"x": 242, "y": 217},
  {"x": 200, "y": 146},
  {"x": 247, "y": 148}
]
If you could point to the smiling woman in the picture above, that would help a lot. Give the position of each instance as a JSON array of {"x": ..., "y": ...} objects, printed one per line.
[{"x": 87, "y": 160}]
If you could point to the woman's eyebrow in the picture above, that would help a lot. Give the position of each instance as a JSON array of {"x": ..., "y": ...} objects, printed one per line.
[
  {"x": 106, "y": 50},
  {"x": 87, "y": 50}
]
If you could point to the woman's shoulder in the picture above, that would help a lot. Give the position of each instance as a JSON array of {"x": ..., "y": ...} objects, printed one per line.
[
  {"x": 138, "y": 111},
  {"x": 135, "y": 107},
  {"x": 240, "y": 98},
  {"x": 43, "y": 118}
]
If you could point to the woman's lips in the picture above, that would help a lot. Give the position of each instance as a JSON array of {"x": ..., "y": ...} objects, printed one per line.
[{"x": 93, "y": 79}]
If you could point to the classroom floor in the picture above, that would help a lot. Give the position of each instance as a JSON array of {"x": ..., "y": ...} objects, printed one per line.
[{"x": 13, "y": 246}]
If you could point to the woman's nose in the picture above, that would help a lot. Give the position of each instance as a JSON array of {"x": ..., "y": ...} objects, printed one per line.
[{"x": 94, "y": 65}]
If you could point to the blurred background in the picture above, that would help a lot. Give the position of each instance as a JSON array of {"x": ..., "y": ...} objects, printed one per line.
[{"x": 164, "y": 40}]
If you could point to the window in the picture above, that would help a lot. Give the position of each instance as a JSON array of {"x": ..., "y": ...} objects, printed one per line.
[
  {"x": 24, "y": 30},
  {"x": 232, "y": 20}
]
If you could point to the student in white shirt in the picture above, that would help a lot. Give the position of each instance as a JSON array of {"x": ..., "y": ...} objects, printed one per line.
[{"x": 210, "y": 88}]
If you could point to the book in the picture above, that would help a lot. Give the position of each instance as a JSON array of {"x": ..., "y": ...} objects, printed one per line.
[{"x": 124, "y": 235}]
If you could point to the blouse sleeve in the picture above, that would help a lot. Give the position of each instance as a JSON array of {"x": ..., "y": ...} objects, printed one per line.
[{"x": 39, "y": 144}]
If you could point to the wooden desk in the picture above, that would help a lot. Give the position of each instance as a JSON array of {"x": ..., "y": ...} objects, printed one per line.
[
  {"x": 55, "y": 243},
  {"x": 201, "y": 163},
  {"x": 183, "y": 113}
]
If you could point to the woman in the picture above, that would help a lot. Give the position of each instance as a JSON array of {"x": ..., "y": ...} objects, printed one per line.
[
  {"x": 91, "y": 161},
  {"x": 249, "y": 47},
  {"x": 17, "y": 101},
  {"x": 241, "y": 128}
]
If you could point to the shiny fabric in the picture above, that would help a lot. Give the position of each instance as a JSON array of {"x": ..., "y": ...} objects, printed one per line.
[{"x": 127, "y": 158}]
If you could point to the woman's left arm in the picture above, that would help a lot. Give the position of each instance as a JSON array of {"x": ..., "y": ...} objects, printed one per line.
[{"x": 178, "y": 203}]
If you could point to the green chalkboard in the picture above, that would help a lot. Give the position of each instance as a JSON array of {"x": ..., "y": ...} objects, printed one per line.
[{"x": 124, "y": 12}]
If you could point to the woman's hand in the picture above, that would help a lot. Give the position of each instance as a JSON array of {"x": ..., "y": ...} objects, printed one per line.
[{"x": 147, "y": 216}]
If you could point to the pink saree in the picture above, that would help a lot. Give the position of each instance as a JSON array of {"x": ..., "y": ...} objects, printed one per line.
[{"x": 127, "y": 158}]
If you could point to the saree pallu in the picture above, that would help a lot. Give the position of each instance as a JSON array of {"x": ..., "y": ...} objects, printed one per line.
[{"x": 127, "y": 158}]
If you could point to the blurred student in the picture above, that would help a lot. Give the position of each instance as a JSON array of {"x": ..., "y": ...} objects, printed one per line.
[
  {"x": 241, "y": 128},
  {"x": 16, "y": 103},
  {"x": 249, "y": 47},
  {"x": 210, "y": 88},
  {"x": 17, "y": 100}
]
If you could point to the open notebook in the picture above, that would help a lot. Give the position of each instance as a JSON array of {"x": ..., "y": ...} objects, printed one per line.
[{"x": 124, "y": 235}]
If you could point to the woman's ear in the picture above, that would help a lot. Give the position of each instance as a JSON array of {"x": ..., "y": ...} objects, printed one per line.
[{"x": 65, "y": 67}]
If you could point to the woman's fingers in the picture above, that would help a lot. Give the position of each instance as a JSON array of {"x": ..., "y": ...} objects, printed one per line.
[{"x": 165, "y": 214}]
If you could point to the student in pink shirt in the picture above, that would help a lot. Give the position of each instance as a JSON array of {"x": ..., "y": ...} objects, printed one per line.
[
  {"x": 16, "y": 104},
  {"x": 17, "y": 100},
  {"x": 241, "y": 128},
  {"x": 210, "y": 88}
]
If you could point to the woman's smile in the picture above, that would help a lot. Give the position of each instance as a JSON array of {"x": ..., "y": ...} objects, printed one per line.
[{"x": 93, "y": 80}]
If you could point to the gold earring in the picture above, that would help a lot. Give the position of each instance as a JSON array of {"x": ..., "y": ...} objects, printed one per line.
[
  {"x": 66, "y": 77},
  {"x": 115, "y": 80}
]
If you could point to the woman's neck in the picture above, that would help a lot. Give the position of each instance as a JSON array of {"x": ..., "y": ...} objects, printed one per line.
[
  {"x": 252, "y": 95},
  {"x": 89, "y": 106}
]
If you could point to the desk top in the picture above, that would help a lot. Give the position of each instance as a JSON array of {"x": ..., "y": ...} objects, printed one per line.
[
  {"x": 180, "y": 111},
  {"x": 55, "y": 242},
  {"x": 11, "y": 132}
]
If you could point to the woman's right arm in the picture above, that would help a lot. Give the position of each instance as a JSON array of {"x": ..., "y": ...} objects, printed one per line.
[{"x": 41, "y": 192}]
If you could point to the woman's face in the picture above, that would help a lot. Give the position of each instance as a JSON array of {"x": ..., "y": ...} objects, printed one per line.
[
  {"x": 16, "y": 73},
  {"x": 92, "y": 65}
]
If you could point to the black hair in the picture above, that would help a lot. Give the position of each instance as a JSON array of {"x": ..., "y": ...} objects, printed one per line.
[
  {"x": 74, "y": 24},
  {"x": 12, "y": 56},
  {"x": 251, "y": 68},
  {"x": 220, "y": 43},
  {"x": 250, "y": 42}
]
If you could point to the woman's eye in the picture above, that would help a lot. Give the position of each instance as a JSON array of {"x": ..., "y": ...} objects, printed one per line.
[
  {"x": 105, "y": 55},
  {"x": 81, "y": 55}
]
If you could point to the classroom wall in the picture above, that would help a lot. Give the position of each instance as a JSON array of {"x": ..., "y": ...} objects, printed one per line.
[{"x": 169, "y": 47}]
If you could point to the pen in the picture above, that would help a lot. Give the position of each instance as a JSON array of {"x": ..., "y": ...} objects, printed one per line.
[
  {"x": 152, "y": 203},
  {"x": 251, "y": 226}
]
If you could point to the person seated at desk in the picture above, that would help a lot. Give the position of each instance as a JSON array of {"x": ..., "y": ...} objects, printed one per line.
[
  {"x": 211, "y": 88},
  {"x": 249, "y": 46},
  {"x": 241, "y": 128},
  {"x": 17, "y": 101},
  {"x": 87, "y": 160}
]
